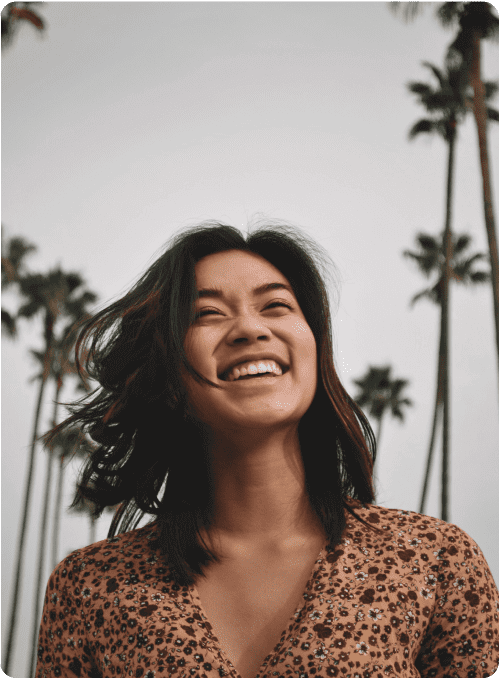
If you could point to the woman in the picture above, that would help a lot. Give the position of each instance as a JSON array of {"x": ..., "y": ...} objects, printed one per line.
[{"x": 221, "y": 414}]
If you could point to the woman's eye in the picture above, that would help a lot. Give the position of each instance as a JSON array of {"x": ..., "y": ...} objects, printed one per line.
[
  {"x": 208, "y": 310},
  {"x": 211, "y": 310},
  {"x": 279, "y": 303}
]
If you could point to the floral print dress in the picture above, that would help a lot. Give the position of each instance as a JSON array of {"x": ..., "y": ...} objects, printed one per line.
[{"x": 415, "y": 598}]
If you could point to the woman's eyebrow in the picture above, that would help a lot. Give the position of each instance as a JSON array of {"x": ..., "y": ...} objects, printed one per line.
[{"x": 217, "y": 293}]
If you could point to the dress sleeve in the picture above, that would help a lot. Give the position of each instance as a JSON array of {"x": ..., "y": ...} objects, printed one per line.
[
  {"x": 462, "y": 638},
  {"x": 63, "y": 650}
]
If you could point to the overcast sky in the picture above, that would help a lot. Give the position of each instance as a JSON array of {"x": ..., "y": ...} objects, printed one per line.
[{"x": 126, "y": 122}]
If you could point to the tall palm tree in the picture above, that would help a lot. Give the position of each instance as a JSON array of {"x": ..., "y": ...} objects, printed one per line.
[
  {"x": 75, "y": 310},
  {"x": 14, "y": 253},
  {"x": 50, "y": 295},
  {"x": 67, "y": 442},
  {"x": 431, "y": 258},
  {"x": 66, "y": 447},
  {"x": 380, "y": 394},
  {"x": 477, "y": 21},
  {"x": 15, "y": 13},
  {"x": 446, "y": 105}
]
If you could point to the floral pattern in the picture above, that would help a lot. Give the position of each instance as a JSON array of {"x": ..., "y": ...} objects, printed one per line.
[{"x": 415, "y": 598}]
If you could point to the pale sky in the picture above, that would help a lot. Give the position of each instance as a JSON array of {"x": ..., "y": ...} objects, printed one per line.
[{"x": 128, "y": 121}]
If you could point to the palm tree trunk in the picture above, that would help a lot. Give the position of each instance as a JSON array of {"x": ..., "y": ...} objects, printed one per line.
[
  {"x": 444, "y": 329},
  {"x": 480, "y": 113},
  {"x": 375, "y": 469},
  {"x": 444, "y": 511},
  {"x": 378, "y": 434},
  {"x": 438, "y": 402},
  {"x": 57, "y": 513},
  {"x": 93, "y": 529},
  {"x": 16, "y": 602},
  {"x": 41, "y": 559},
  {"x": 42, "y": 542}
]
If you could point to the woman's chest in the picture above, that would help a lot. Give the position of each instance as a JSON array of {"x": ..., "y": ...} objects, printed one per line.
[{"x": 250, "y": 604}]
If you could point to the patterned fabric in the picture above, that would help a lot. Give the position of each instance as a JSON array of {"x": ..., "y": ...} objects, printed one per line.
[{"x": 416, "y": 599}]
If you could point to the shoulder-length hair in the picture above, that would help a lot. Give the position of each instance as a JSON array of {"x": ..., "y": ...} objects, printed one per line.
[{"x": 149, "y": 456}]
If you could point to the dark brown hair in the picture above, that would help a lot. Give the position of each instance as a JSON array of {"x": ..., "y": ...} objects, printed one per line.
[{"x": 150, "y": 456}]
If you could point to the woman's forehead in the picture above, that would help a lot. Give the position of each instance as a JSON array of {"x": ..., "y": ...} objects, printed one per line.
[{"x": 236, "y": 269}]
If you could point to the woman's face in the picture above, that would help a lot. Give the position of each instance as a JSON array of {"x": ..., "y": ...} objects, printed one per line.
[{"x": 237, "y": 323}]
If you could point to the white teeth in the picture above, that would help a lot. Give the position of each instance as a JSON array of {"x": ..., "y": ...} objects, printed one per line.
[{"x": 254, "y": 368}]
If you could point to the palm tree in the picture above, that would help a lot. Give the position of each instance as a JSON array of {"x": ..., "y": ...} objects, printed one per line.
[
  {"x": 14, "y": 253},
  {"x": 75, "y": 310},
  {"x": 16, "y": 12},
  {"x": 477, "y": 21},
  {"x": 67, "y": 445},
  {"x": 431, "y": 258},
  {"x": 446, "y": 105},
  {"x": 52, "y": 296},
  {"x": 379, "y": 394},
  {"x": 62, "y": 367},
  {"x": 68, "y": 441}
]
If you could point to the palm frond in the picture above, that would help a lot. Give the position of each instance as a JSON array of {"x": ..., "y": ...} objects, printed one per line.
[
  {"x": 461, "y": 272},
  {"x": 448, "y": 13},
  {"x": 423, "y": 126},
  {"x": 9, "y": 327},
  {"x": 436, "y": 72},
  {"x": 480, "y": 277},
  {"x": 480, "y": 15},
  {"x": 28, "y": 310},
  {"x": 425, "y": 294},
  {"x": 418, "y": 258},
  {"x": 14, "y": 252},
  {"x": 408, "y": 10},
  {"x": 396, "y": 407},
  {"x": 442, "y": 102},
  {"x": 425, "y": 264},
  {"x": 493, "y": 114},
  {"x": 459, "y": 51},
  {"x": 479, "y": 256},
  {"x": 460, "y": 243},
  {"x": 421, "y": 88},
  {"x": 428, "y": 242},
  {"x": 448, "y": 103},
  {"x": 398, "y": 385},
  {"x": 491, "y": 88}
]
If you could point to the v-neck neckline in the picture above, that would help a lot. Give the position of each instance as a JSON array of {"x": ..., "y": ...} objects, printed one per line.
[{"x": 302, "y": 602}]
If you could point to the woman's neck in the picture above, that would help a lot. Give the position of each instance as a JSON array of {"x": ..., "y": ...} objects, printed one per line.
[{"x": 258, "y": 490}]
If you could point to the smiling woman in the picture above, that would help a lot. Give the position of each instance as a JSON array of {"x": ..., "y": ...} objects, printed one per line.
[
  {"x": 156, "y": 348},
  {"x": 221, "y": 415}
]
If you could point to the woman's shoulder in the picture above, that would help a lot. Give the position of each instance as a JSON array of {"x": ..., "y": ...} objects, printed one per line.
[
  {"x": 410, "y": 533},
  {"x": 123, "y": 551},
  {"x": 392, "y": 519}
]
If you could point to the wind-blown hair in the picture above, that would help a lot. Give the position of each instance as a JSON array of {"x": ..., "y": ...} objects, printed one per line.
[{"x": 150, "y": 455}]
